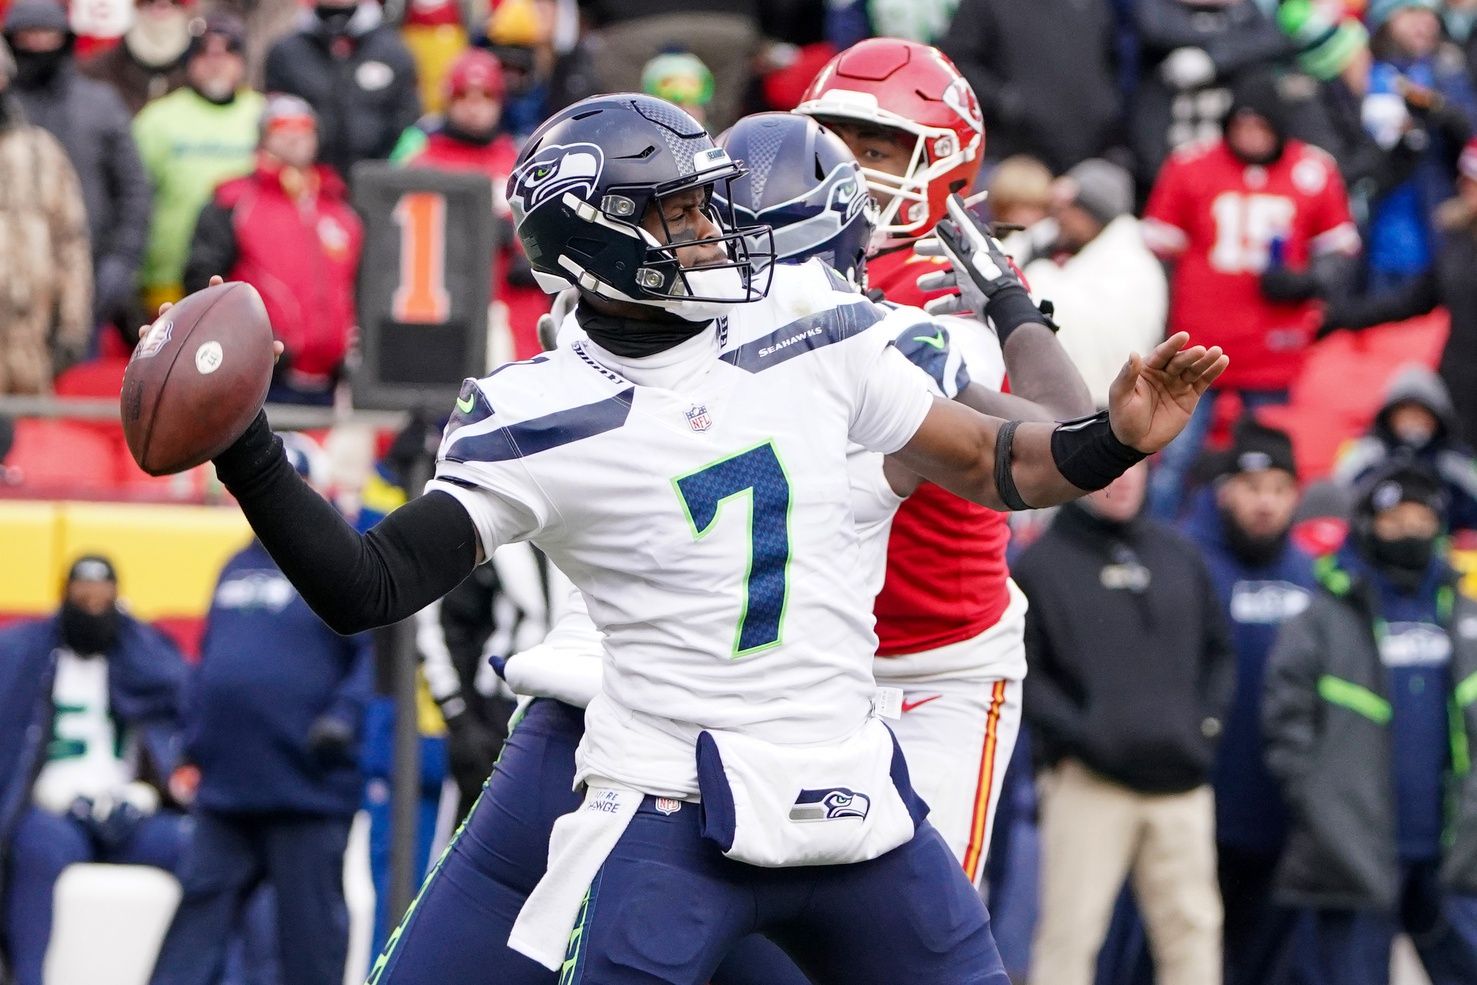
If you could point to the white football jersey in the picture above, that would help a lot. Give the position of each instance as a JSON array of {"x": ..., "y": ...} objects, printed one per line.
[{"x": 700, "y": 501}]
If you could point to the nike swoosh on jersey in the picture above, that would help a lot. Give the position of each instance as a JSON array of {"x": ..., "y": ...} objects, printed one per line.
[
  {"x": 465, "y": 404},
  {"x": 936, "y": 340},
  {"x": 910, "y": 705}
]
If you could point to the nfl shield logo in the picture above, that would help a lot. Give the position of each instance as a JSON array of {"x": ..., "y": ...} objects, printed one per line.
[
  {"x": 668, "y": 806},
  {"x": 698, "y": 417}
]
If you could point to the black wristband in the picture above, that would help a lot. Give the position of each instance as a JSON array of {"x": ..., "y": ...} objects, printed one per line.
[
  {"x": 250, "y": 454},
  {"x": 1004, "y": 477},
  {"x": 1010, "y": 308},
  {"x": 1089, "y": 455}
]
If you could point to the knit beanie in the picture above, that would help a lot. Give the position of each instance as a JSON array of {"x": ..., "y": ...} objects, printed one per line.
[
  {"x": 1100, "y": 188},
  {"x": 1327, "y": 36}
]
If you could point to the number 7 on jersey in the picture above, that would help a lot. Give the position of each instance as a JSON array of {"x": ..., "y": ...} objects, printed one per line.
[{"x": 758, "y": 475}]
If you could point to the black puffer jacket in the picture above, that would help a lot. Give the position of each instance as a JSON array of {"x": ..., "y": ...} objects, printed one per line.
[
  {"x": 1326, "y": 714},
  {"x": 362, "y": 85},
  {"x": 1131, "y": 663}
]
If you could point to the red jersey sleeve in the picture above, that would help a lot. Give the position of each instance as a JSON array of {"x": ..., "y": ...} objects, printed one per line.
[
  {"x": 1167, "y": 219},
  {"x": 1331, "y": 227}
]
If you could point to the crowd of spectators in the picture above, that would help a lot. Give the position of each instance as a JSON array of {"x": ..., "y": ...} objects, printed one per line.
[{"x": 1272, "y": 750}]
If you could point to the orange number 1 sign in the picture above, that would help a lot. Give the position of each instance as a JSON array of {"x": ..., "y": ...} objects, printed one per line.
[{"x": 421, "y": 298}]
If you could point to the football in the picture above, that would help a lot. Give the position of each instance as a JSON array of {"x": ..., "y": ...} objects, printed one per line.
[{"x": 197, "y": 378}]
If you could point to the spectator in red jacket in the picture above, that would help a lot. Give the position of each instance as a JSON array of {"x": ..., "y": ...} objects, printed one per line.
[
  {"x": 289, "y": 231},
  {"x": 470, "y": 137},
  {"x": 1255, "y": 226}
]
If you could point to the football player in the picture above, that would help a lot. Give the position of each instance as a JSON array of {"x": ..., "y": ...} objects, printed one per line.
[
  {"x": 950, "y": 622},
  {"x": 685, "y": 465}
]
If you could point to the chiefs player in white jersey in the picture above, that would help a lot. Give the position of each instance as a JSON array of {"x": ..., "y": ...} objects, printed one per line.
[{"x": 950, "y": 623}]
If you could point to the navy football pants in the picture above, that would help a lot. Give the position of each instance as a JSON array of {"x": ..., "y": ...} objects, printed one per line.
[{"x": 667, "y": 907}]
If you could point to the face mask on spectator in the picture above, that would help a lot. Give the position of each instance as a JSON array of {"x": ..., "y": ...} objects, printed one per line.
[
  {"x": 87, "y": 633},
  {"x": 37, "y": 68},
  {"x": 1403, "y": 560}
]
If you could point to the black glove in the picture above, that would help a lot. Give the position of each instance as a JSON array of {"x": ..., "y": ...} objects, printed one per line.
[
  {"x": 331, "y": 741},
  {"x": 1286, "y": 285},
  {"x": 471, "y": 749},
  {"x": 978, "y": 266}
]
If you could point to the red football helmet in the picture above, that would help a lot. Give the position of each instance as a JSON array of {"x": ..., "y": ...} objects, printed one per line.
[{"x": 914, "y": 88}]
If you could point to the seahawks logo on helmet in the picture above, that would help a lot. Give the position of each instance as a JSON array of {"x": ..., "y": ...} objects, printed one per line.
[
  {"x": 830, "y": 804},
  {"x": 554, "y": 170}
]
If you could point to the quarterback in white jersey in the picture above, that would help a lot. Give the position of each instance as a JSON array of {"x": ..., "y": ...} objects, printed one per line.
[{"x": 686, "y": 468}]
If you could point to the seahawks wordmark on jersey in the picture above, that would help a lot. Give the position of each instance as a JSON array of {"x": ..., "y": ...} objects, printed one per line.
[{"x": 721, "y": 562}]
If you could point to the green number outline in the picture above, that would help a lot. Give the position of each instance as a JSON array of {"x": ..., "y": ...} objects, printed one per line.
[{"x": 747, "y": 492}]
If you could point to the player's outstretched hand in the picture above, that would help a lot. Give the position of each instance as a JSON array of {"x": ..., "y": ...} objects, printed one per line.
[
  {"x": 1152, "y": 399},
  {"x": 978, "y": 266},
  {"x": 277, "y": 347}
]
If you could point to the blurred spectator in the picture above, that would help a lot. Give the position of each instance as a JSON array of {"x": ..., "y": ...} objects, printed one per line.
[
  {"x": 356, "y": 73},
  {"x": 434, "y": 34},
  {"x": 89, "y": 737},
  {"x": 1368, "y": 717},
  {"x": 1131, "y": 672},
  {"x": 1416, "y": 80},
  {"x": 1450, "y": 284},
  {"x": 1262, "y": 579},
  {"x": 1253, "y": 224},
  {"x": 1418, "y": 423},
  {"x": 191, "y": 140},
  {"x": 1191, "y": 54},
  {"x": 1020, "y": 191},
  {"x": 1107, "y": 289},
  {"x": 681, "y": 78},
  {"x": 1043, "y": 73},
  {"x": 469, "y": 137},
  {"x": 272, "y": 722},
  {"x": 629, "y": 33},
  {"x": 1327, "y": 101},
  {"x": 92, "y": 124},
  {"x": 45, "y": 269},
  {"x": 288, "y": 230},
  {"x": 149, "y": 61}
]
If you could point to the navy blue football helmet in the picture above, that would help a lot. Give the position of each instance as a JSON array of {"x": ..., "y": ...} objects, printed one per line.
[
  {"x": 804, "y": 183},
  {"x": 586, "y": 178}
]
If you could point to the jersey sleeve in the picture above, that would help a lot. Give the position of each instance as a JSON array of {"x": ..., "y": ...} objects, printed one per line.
[
  {"x": 497, "y": 491},
  {"x": 1332, "y": 229},
  {"x": 892, "y": 401},
  {"x": 1166, "y": 223}
]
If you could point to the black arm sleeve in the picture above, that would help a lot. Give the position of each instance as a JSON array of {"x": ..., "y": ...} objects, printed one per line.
[{"x": 353, "y": 581}]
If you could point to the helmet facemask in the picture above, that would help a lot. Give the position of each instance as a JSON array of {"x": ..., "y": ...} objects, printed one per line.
[{"x": 698, "y": 292}]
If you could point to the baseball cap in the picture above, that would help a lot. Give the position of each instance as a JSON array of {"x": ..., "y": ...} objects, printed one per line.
[{"x": 92, "y": 567}]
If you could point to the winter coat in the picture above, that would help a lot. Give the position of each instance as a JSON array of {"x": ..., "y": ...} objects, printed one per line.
[
  {"x": 1447, "y": 456},
  {"x": 145, "y": 675},
  {"x": 269, "y": 668},
  {"x": 135, "y": 82},
  {"x": 1111, "y": 299},
  {"x": 1131, "y": 664},
  {"x": 1257, "y": 600},
  {"x": 1236, "y": 35},
  {"x": 189, "y": 145},
  {"x": 1326, "y": 717},
  {"x": 1043, "y": 73},
  {"x": 363, "y": 86},
  {"x": 45, "y": 267},
  {"x": 300, "y": 251},
  {"x": 93, "y": 125},
  {"x": 1450, "y": 284}
]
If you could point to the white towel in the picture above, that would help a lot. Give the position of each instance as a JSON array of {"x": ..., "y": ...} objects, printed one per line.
[{"x": 578, "y": 846}]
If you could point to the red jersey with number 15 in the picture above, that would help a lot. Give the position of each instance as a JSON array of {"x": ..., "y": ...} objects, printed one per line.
[
  {"x": 1220, "y": 219},
  {"x": 946, "y": 573}
]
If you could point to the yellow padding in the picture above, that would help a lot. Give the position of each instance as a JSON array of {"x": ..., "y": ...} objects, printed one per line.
[
  {"x": 168, "y": 557},
  {"x": 29, "y": 540}
]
